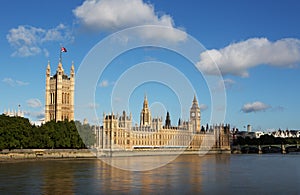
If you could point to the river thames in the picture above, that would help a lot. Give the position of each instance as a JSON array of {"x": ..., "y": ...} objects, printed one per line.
[{"x": 187, "y": 174}]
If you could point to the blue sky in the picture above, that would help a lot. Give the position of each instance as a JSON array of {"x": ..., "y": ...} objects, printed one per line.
[{"x": 256, "y": 45}]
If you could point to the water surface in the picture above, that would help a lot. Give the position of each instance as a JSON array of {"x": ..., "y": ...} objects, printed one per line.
[{"x": 188, "y": 174}]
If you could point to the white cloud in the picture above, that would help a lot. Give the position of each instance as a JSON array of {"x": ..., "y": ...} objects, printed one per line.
[
  {"x": 34, "y": 103},
  {"x": 28, "y": 40},
  {"x": 118, "y": 99},
  {"x": 104, "y": 83},
  {"x": 255, "y": 107},
  {"x": 9, "y": 81},
  {"x": 113, "y": 15},
  {"x": 228, "y": 83},
  {"x": 58, "y": 33},
  {"x": 93, "y": 105},
  {"x": 35, "y": 114},
  {"x": 21, "y": 83},
  {"x": 237, "y": 58},
  {"x": 203, "y": 107},
  {"x": 46, "y": 52},
  {"x": 14, "y": 83},
  {"x": 224, "y": 84}
]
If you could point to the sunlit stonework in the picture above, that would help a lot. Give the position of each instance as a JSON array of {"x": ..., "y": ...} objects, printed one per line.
[
  {"x": 59, "y": 97},
  {"x": 118, "y": 133}
]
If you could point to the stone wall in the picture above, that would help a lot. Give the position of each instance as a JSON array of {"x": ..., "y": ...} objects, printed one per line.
[
  {"x": 45, "y": 153},
  {"x": 24, "y": 154}
]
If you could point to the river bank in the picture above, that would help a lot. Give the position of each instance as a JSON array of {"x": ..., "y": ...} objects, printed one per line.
[
  {"x": 24, "y": 154},
  {"x": 30, "y": 154}
]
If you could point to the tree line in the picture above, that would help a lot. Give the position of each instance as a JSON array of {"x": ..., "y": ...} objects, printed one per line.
[
  {"x": 18, "y": 133},
  {"x": 265, "y": 140}
]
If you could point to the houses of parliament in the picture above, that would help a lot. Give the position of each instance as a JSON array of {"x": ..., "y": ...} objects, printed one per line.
[{"x": 117, "y": 131}]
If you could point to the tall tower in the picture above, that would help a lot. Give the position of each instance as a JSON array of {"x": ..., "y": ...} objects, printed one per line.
[
  {"x": 195, "y": 116},
  {"x": 59, "y": 96},
  {"x": 168, "y": 121},
  {"x": 145, "y": 118}
]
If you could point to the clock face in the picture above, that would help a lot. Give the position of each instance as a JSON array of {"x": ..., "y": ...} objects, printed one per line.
[
  {"x": 193, "y": 113},
  {"x": 198, "y": 113}
]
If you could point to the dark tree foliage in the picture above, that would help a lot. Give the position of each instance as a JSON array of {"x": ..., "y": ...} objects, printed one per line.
[
  {"x": 86, "y": 133},
  {"x": 18, "y": 133},
  {"x": 265, "y": 140},
  {"x": 202, "y": 129}
]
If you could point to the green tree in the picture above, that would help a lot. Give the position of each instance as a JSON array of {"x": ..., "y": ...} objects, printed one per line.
[{"x": 17, "y": 132}]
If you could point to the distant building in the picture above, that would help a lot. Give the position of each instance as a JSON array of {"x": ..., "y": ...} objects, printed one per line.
[
  {"x": 38, "y": 122},
  {"x": 20, "y": 113},
  {"x": 59, "y": 95},
  {"x": 249, "y": 128},
  {"x": 258, "y": 134},
  {"x": 11, "y": 112},
  {"x": 117, "y": 132},
  {"x": 279, "y": 133},
  {"x": 286, "y": 134},
  {"x": 85, "y": 121}
]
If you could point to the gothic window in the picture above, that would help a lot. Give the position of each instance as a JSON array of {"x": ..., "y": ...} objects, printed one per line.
[{"x": 63, "y": 98}]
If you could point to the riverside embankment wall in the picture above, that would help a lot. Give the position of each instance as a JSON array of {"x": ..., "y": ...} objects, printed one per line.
[{"x": 86, "y": 153}]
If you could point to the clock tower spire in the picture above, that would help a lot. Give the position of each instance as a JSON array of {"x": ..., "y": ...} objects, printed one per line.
[{"x": 195, "y": 116}]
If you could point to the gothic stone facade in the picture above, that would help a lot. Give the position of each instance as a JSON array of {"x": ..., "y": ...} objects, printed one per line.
[
  {"x": 59, "y": 97},
  {"x": 118, "y": 133}
]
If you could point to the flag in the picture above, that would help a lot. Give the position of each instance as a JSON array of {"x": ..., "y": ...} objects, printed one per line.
[{"x": 63, "y": 49}]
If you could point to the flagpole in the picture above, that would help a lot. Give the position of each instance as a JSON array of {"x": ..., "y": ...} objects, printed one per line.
[
  {"x": 60, "y": 60},
  {"x": 62, "y": 49},
  {"x": 60, "y": 56}
]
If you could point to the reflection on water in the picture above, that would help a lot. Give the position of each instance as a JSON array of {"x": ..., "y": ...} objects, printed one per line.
[
  {"x": 138, "y": 163},
  {"x": 58, "y": 177},
  {"x": 180, "y": 176},
  {"x": 188, "y": 174}
]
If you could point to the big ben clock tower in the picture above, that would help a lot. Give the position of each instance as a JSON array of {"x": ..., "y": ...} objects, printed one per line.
[{"x": 195, "y": 116}]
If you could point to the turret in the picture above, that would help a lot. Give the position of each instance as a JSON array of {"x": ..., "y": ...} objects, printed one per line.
[
  {"x": 72, "y": 88},
  {"x": 72, "y": 74},
  {"x": 168, "y": 121},
  {"x": 48, "y": 71},
  {"x": 179, "y": 122},
  {"x": 47, "y": 93},
  {"x": 60, "y": 69},
  {"x": 145, "y": 117},
  {"x": 59, "y": 91}
]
